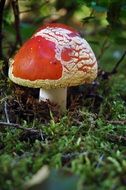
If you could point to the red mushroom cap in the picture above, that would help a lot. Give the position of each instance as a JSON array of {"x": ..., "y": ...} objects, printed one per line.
[
  {"x": 55, "y": 56},
  {"x": 36, "y": 60}
]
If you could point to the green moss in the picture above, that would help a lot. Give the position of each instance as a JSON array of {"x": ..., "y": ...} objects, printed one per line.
[{"x": 84, "y": 141}]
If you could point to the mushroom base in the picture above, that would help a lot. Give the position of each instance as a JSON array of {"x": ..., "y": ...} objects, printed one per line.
[{"x": 57, "y": 96}]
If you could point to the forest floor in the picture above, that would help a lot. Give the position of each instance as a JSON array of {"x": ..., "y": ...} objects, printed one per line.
[{"x": 87, "y": 144}]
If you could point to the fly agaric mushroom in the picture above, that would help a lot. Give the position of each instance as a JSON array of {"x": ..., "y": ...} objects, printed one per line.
[{"x": 54, "y": 58}]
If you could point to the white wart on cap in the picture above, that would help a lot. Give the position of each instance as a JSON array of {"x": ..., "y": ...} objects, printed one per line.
[{"x": 55, "y": 57}]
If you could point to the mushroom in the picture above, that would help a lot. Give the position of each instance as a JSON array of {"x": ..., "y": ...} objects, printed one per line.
[{"x": 54, "y": 58}]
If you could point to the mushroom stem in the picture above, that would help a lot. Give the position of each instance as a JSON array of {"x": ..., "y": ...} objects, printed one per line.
[{"x": 57, "y": 96}]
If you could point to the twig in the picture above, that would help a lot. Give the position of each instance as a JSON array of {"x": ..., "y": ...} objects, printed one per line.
[
  {"x": 2, "y": 3},
  {"x": 100, "y": 161},
  {"x": 116, "y": 138},
  {"x": 104, "y": 47},
  {"x": 118, "y": 63},
  {"x": 117, "y": 122},
  {"x": 105, "y": 75},
  {"x": 6, "y": 112},
  {"x": 91, "y": 16},
  {"x": 17, "y": 126},
  {"x": 73, "y": 155},
  {"x": 15, "y": 7},
  {"x": 16, "y": 11},
  {"x": 26, "y": 11}
]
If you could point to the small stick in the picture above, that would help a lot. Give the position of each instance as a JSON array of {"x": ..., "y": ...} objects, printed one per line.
[
  {"x": 116, "y": 138},
  {"x": 16, "y": 12},
  {"x": 117, "y": 122},
  {"x": 15, "y": 125},
  {"x": 72, "y": 155},
  {"x": 26, "y": 11},
  {"x": 6, "y": 112},
  {"x": 114, "y": 70},
  {"x": 15, "y": 7},
  {"x": 118, "y": 63},
  {"x": 2, "y": 3},
  {"x": 104, "y": 47}
]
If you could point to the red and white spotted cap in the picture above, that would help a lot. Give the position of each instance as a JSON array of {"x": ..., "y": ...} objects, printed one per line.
[{"x": 54, "y": 57}]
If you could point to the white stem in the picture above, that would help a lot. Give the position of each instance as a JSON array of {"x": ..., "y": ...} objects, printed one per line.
[{"x": 57, "y": 96}]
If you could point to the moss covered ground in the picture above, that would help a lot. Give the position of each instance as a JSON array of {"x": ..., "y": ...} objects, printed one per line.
[{"x": 88, "y": 141}]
